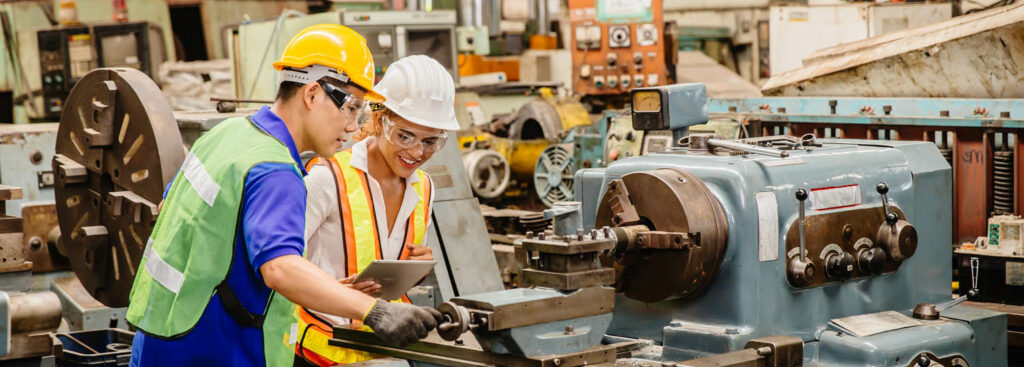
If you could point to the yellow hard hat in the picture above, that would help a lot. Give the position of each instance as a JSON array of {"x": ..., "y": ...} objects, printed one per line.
[{"x": 336, "y": 47}]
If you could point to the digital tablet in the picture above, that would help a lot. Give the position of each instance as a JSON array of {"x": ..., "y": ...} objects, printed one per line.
[{"x": 395, "y": 276}]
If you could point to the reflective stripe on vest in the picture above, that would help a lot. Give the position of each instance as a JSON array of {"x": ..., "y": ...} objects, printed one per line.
[
  {"x": 362, "y": 247},
  {"x": 192, "y": 244}
]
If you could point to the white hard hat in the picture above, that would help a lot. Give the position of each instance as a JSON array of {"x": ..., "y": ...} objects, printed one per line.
[{"x": 420, "y": 90}]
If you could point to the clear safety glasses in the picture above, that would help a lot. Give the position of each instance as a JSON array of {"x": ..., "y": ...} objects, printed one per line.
[
  {"x": 407, "y": 138},
  {"x": 346, "y": 102}
]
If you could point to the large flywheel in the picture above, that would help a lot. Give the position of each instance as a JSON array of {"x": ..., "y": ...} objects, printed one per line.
[{"x": 118, "y": 146}]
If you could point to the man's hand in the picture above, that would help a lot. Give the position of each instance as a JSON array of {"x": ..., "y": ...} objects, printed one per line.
[
  {"x": 417, "y": 252},
  {"x": 369, "y": 287},
  {"x": 401, "y": 323}
]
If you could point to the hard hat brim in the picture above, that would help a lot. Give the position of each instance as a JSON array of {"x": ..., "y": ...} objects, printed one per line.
[{"x": 371, "y": 95}]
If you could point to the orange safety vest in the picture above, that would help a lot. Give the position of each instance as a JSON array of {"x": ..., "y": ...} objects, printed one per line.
[{"x": 362, "y": 246}]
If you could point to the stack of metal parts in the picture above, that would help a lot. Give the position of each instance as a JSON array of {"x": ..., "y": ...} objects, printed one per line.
[
  {"x": 26, "y": 317},
  {"x": 514, "y": 221}
]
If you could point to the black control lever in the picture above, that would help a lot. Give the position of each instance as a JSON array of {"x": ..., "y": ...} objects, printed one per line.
[
  {"x": 890, "y": 217},
  {"x": 800, "y": 271},
  {"x": 896, "y": 236}
]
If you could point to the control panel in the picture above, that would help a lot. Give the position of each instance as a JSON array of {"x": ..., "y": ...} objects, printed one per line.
[
  {"x": 844, "y": 244},
  {"x": 65, "y": 55},
  {"x": 616, "y": 46}
]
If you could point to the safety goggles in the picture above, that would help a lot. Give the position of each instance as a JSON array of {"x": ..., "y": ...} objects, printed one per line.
[
  {"x": 346, "y": 102},
  {"x": 407, "y": 137}
]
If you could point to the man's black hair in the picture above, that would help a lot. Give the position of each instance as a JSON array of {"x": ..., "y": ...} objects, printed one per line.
[{"x": 286, "y": 90}]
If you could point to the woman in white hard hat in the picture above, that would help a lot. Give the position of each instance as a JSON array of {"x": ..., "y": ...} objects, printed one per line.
[{"x": 383, "y": 209}]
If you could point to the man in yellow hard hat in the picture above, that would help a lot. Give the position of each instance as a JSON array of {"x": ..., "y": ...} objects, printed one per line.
[{"x": 224, "y": 263}]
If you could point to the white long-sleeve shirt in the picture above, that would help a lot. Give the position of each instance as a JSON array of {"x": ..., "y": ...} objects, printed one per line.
[{"x": 325, "y": 243}]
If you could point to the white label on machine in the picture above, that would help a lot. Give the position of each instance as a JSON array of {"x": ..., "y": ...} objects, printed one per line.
[
  {"x": 476, "y": 113},
  {"x": 875, "y": 323},
  {"x": 1014, "y": 273},
  {"x": 767, "y": 227},
  {"x": 826, "y": 198}
]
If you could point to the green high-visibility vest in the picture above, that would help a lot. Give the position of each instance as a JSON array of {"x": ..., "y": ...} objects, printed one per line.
[{"x": 189, "y": 252}]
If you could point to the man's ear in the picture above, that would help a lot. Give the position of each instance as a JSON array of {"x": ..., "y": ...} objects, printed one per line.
[{"x": 309, "y": 92}]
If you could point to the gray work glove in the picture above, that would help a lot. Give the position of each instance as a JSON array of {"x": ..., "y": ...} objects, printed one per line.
[{"x": 401, "y": 323}]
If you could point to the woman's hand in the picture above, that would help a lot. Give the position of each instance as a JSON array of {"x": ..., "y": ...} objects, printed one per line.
[
  {"x": 417, "y": 252},
  {"x": 369, "y": 287}
]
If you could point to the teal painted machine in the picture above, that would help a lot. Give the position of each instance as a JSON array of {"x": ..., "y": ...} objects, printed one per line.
[{"x": 832, "y": 241}]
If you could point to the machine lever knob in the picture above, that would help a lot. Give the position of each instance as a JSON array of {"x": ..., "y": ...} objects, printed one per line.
[
  {"x": 839, "y": 265},
  {"x": 890, "y": 217},
  {"x": 871, "y": 261}
]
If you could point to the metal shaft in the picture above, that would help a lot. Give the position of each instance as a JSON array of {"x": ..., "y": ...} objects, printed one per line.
[
  {"x": 728, "y": 144},
  {"x": 803, "y": 241}
]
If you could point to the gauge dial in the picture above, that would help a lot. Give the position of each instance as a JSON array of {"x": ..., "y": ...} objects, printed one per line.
[{"x": 647, "y": 101}]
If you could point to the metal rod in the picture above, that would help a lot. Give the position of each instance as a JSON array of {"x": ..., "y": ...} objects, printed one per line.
[
  {"x": 240, "y": 100},
  {"x": 728, "y": 144},
  {"x": 803, "y": 242},
  {"x": 542, "y": 17}
]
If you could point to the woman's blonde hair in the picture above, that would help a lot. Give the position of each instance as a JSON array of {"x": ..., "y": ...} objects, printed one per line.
[{"x": 374, "y": 126}]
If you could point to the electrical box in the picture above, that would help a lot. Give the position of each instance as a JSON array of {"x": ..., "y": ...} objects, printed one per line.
[
  {"x": 65, "y": 55},
  {"x": 616, "y": 45},
  {"x": 68, "y": 53}
]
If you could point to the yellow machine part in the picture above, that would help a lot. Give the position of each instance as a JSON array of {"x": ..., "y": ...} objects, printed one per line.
[
  {"x": 521, "y": 155},
  {"x": 570, "y": 110}
]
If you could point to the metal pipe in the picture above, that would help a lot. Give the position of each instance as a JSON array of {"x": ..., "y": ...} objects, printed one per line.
[
  {"x": 542, "y": 17},
  {"x": 34, "y": 312},
  {"x": 467, "y": 12},
  {"x": 478, "y": 13},
  {"x": 728, "y": 144}
]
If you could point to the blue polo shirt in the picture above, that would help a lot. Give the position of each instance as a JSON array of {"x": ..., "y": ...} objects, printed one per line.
[{"x": 273, "y": 224}]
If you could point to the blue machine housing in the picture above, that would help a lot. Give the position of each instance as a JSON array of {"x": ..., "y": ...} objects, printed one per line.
[{"x": 750, "y": 298}]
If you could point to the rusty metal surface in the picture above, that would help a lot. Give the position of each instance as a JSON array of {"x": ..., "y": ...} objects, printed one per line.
[
  {"x": 568, "y": 281},
  {"x": 568, "y": 246},
  {"x": 847, "y": 231},
  {"x": 785, "y": 350},
  {"x": 972, "y": 153},
  {"x": 451, "y": 354},
  {"x": 32, "y": 316},
  {"x": 13, "y": 252},
  {"x": 585, "y": 302},
  {"x": 39, "y": 221},
  {"x": 118, "y": 146},
  {"x": 659, "y": 240},
  {"x": 667, "y": 200}
]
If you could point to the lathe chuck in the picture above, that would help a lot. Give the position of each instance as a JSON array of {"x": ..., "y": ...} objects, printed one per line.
[
  {"x": 118, "y": 146},
  {"x": 685, "y": 238}
]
